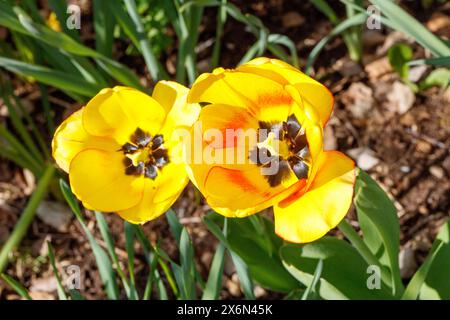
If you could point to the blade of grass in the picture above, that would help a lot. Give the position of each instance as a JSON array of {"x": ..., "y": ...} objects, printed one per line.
[
  {"x": 355, "y": 20},
  {"x": 413, "y": 289},
  {"x": 60, "y": 9},
  {"x": 101, "y": 257},
  {"x": 51, "y": 255},
  {"x": 312, "y": 287},
  {"x": 107, "y": 237},
  {"x": 214, "y": 282},
  {"x": 444, "y": 62},
  {"x": 104, "y": 27},
  {"x": 407, "y": 24},
  {"x": 15, "y": 144},
  {"x": 20, "y": 127},
  {"x": 51, "y": 77},
  {"x": 17, "y": 286},
  {"x": 27, "y": 216},
  {"x": 129, "y": 246},
  {"x": 144, "y": 42},
  {"x": 221, "y": 19}
]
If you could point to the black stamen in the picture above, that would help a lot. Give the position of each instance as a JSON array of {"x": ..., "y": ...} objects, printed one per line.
[
  {"x": 157, "y": 141},
  {"x": 129, "y": 148},
  {"x": 151, "y": 172},
  {"x": 135, "y": 170},
  {"x": 141, "y": 138}
]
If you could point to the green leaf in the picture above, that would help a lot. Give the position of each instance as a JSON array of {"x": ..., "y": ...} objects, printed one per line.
[
  {"x": 404, "y": 22},
  {"x": 379, "y": 223},
  {"x": 16, "y": 285},
  {"x": 431, "y": 280},
  {"x": 356, "y": 20},
  {"x": 175, "y": 226},
  {"x": 58, "y": 79},
  {"x": 60, "y": 288},
  {"x": 104, "y": 28},
  {"x": 187, "y": 265},
  {"x": 144, "y": 43},
  {"x": 437, "y": 78},
  {"x": 101, "y": 257},
  {"x": 399, "y": 55},
  {"x": 27, "y": 216},
  {"x": 129, "y": 246},
  {"x": 253, "y": 247},
  {"x": 214, "y": 282},
  {"x": 311, "y": 289},
  {"x": 344, "y": 274},
  {"x": 442, "y": 62}
]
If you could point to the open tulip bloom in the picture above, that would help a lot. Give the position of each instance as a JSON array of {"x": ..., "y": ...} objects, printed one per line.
[
  {"x": 122, "y": 152},
  {"x": 262, "y": 145},
  {"x": 257, "y": 143}
]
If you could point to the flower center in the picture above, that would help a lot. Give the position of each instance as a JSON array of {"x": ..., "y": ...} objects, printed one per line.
[
  {"x": 144, "y": 154},
  {"x": 284, "y": 145}
]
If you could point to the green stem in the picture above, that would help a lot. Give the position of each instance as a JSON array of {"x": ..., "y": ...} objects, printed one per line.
[
  {"x": 363, "y": 249},
  {"x": 27, "y": 216}
]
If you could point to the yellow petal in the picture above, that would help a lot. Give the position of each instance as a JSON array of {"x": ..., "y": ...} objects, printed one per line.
[
  {"x": 149, "y": 209},
  {"x": 308, "y": 216},
  {"x": 262, "y": 97},
  {"x": 98, "y": 179},
  {"x": 161, "y": 193},
  {"x": 118, "y": 112},
  {"x": 236, "y": 193},
  {"x": 173, "y": 97},
  {"x": 313, "y": 92},
  {"x": 70, "y": 138}
]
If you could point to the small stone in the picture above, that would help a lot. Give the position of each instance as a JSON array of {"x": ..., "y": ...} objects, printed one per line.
[
  {"x": 423, "y": 146},
  {"x": 416, "y": 73},
  {"x": 365, "y": 157},
  {"x": 377, "y": 68},
  {"x": 347, "y": 67},
  {"x": 292, "y": 19},
  {"x": 401, "y": 98},
  {"x": 437, "y": 171},
  {"x": 44, "y": 285},
  {"x": 55, "y": 214},
  {"x": 407, "y": 262},
  {"x": 259, "y": 292},
  {"x": 359, "y": 100}
]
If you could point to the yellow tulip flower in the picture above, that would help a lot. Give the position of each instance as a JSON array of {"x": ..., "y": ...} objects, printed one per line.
[
  {"x": 121, "y": 151},
  {"x": 311, "y": 189}
]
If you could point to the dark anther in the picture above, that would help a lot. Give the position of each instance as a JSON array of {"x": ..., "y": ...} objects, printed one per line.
[
  {"x": 139, "y": 146},
  {"x": 300, "y": 169},
  {"x": 150, "y": 172},
  {"x": 140, "y": 138},
  {"x": 289, "y": 131},
  {"x": 300, "y": 143},
  {"x": 129, "y": 148},
  {"x": 282, "y": 172},
  {"x": 135, "y": 170},
  {"x": 157, "y": 141},
  {"x": 260, "y": 156}
]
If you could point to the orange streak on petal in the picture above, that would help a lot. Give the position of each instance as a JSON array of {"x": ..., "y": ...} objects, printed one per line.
[
  {"x": 238, "y": 178},
  {"x": 275, "y": 99}
]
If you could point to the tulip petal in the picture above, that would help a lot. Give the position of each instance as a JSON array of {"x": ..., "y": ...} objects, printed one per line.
[
  {"x": 312, "y": 92},
  {"x": 118, "y": 112},
  {"x": 98, "y": 179},
  {"x": 262, "y": 97},
  {"x": 173, "y": 97},
  {"x": 70, "y": 138},
  {"x": 310, "y": 215},
  {"x": 148, "y": 208},
  {"x": 236, "y": 193}
]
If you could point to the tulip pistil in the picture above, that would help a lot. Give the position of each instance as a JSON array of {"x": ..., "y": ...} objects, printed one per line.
[
  {"x": 144, "y": 154},
  {"x": 283, "y": 144}
]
